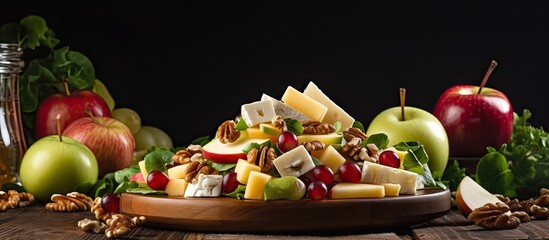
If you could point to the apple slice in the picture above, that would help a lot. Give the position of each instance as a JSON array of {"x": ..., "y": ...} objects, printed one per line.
[
  {"x": 471, "y": 195},
  {"x": 218, "y": 152}
]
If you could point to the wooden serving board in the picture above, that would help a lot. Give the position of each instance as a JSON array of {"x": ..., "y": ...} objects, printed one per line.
[{"x": 230, "y": 215}]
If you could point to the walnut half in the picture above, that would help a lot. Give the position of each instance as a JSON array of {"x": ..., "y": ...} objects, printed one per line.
[{"x": 497, "y": 216}]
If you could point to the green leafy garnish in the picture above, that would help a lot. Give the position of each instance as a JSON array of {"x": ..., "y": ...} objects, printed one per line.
[
  {"x": 157, "y": 160},
  {"x": 453, "y": 175},
  {"x": 381, "y": 140},
  {"x": 294, "y": 126}
]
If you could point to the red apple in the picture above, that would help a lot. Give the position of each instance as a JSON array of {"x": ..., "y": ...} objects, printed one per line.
[
  {"x": 110, "y": 140},
  {"x": 70, "y": 106},
  {"x": 474, "y": 118}
]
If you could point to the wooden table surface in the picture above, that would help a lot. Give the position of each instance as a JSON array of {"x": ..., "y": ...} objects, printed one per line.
[{"x": 36, "y": 222}]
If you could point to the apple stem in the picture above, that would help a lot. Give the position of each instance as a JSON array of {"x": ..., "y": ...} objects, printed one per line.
[
  {"x": 493, "y": 65},
  {"x": 66, "y": 84},
  {"x": 402, "y": 98},
  {"x": 58, "y": 121}
]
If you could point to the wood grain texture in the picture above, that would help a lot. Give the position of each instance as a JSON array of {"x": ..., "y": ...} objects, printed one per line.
[{"x": 230, "y": 215}]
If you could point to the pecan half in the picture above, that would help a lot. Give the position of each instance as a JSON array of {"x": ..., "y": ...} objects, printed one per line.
[
  {"x": 262, "y": 157},
  {"x": 227, "y": 132},
  {"x": 352, "y": 132},
  {"x": 71, "y": 202},
  {"x": 317, "y": 128},
  {"x": 314, "y": 145},
  {"x": 356, "y": 152}
]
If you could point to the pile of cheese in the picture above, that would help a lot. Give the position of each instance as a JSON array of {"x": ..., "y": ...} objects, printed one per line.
[{"x": 311, "y": 104}]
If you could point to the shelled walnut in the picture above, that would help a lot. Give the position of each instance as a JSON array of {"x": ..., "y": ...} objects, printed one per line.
[
  {"x": 262, "y": 157},
  {"x": 227, "y": 132},
  {"x": 355, "y": 151},
  {"x": 188, "y": 154},
  {"x": 94, "y": 226},
  {"x": 71, "y": 202},
  {"x": 195, "y": 168},
  {"x": 496, "y": 216},
  {"x": 120, "y": 225},
  {"x": 98, "y": 211},
  {"x": 279, "y": 123},
  {"x": 13, "y": 199}
]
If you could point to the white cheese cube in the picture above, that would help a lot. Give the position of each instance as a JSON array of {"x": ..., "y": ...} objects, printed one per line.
[
  {"x": 295, "y": 162},
  {"x": 257, "y": 112}
]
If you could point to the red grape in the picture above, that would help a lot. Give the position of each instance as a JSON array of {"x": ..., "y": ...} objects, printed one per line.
[
  {"x": 287, "y": 141},
  {"x": 230, "y": 183},
  {"x": 157, "y": 180},
  {"x": 324, "y": 174},
  {"x": 389, "y": 158},
  {"x": 110, "y": 202},
  {"x": 349, "y": 171},
  {"x": 317, "y": 190}
]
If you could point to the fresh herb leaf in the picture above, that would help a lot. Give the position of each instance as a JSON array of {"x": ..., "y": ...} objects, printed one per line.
[
  {"x": 453, "y": 175},
  {"x": 357, "y": 124},
  {"x": 381, "y": 140},
  {"x": 157, "y": 160},
  {"x": 294, "y": 126},
  {"x": 237, "y": 193},
  {"x": 494, "y": 175},
  {"x": 124, "y": 175}
]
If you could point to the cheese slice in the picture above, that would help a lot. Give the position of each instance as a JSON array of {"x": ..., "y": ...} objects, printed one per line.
[
  {"x": 380, "y": 174},
  {"x": 335, "y": 113},
  {"x": 391, "y": 189},
  {"x": 176, "y": 187},
  {"x": 356, "y": 190},
  {"x": 243, "y": 169},
  {"x": 257, "y": 112},
  {"x": 305, "y": 104},
  {"x": 328, "y": 139},
  {"x": 284, "y": 110}
]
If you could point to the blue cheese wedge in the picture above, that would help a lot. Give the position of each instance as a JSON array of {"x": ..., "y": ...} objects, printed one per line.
[
  {"x": 257, "y": 112},
  {"x": 295, "y": 162},
  {"x": 206, "y": 186},
  {"x": 284, "y": 110}
]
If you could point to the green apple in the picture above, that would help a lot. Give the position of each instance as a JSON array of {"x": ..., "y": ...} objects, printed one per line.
[
  {"x": 148, "y": 136},
  {"x": 418, "y": 126},
  {"x": 57, "y": 164}
]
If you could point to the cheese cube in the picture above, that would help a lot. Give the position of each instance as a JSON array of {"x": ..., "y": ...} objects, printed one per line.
[
  {"x": 177, "y": 172},
  {"x": 284, "y": 110},
  {"x": 257, "y": 112},
  {"x": 334, "y": 113},
  {"x": 206, "y": 186},
  {"x": 331, "y": 158},
  {"x": 305, "y": 104},
  {"x": 176, "y": 187},
  {"x": 391, "y": 189},
  {"x": 295, "y": 162},
  {"x": 143, "y": 169},
  {"x": 255, "y": 187},
  {"x": 379, "y": 174},
  {"x": 243, "y": 169},
  {"x": 356, "y": 190}
]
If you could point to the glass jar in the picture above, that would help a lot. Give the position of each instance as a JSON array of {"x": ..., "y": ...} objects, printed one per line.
[{"x": 12, "y": 139}]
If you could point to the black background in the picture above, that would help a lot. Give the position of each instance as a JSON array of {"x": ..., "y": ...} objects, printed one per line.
[{"x": 187, "y": 66}]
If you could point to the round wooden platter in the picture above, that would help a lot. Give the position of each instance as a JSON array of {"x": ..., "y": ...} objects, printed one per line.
[{"x": 231, "y": 215}]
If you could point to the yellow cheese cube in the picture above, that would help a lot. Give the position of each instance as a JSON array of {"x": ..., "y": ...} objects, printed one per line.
[
  {"x": 391, "y": 189},
  {"x": 335, "y": 112},
  {"x": 328, "y": 139},
  {"x": 357, "y": 190},
  {"x": 331, "y": 158},
  {"x": 256, "y": 185},
  {"x": 177, "y": 172},
  {"x": 143, "y": 169},
  {"x": 255, "y": 132},
  {"x": 176, "y": 187},
  {"x": 243, "y": 170},
  {"x": 305, "y": 104}
]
